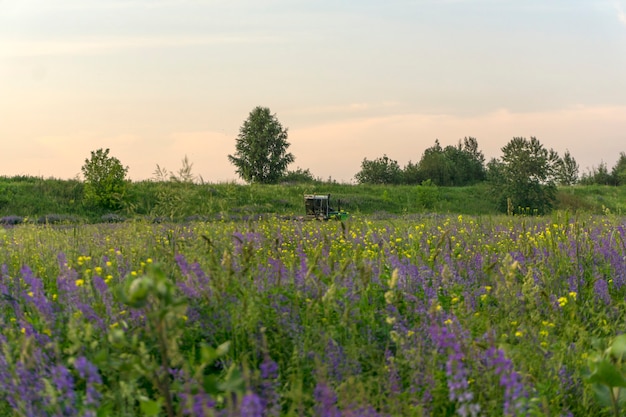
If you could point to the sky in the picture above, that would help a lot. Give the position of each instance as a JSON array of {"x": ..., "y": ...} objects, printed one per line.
[{"x": 156, "y": 81}]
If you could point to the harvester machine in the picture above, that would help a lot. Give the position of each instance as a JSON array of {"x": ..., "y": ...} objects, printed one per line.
[{"x": 317, "y": 207}]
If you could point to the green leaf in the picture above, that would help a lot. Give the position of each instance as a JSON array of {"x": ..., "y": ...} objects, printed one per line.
[
  {"x": 150, "y": 407},
  {"x": 605, "y": 373},
  {"x": 233, "y": 381},
  {"x": 105, "y": 410},
  {"x": 618, "y": 347},
  {"x": 222, "y": 349},
  {"x": 210, "y": 383}
]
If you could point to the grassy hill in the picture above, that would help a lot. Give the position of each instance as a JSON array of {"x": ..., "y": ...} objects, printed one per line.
[{"x": 54, "y": 200}]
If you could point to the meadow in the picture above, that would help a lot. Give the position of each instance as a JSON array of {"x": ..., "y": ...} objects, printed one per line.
[{"x": 427, "y": 315}]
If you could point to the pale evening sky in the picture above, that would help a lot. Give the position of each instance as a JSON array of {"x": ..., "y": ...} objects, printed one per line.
[{"x": 158, "y": 80}]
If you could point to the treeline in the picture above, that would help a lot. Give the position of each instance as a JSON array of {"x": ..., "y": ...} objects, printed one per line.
[
  {"x": 523, "y": 180},
  {"x": 464, "y": 164},
  {"x": 457, "y": 166}
]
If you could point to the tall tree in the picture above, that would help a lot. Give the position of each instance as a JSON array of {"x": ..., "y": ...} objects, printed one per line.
[
  {"x": 524, "y": 178},
  {"x": 261, "y": 148},
  {"x": 567, "y": 170},
  {"x": 435, "y": 166},
  {"x": 619, "y": 170}
]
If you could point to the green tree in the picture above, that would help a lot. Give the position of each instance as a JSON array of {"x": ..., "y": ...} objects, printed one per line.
[
  {"x": 379, "y": 171},
  {"x": 412, "y": 174},
  {"x": 474, "y": 163},
  {"x": 261, "y": 148},
  {"x": 458, "y": 165},
  {"x": 435, "y": 166},
  {"x": 524, "y": 178},
  {"x": 567, "y": 170},
  {"x": 105, "y": 180},
  {"x": 619, "y": 170},
  {"x": 599, "y": 175}
]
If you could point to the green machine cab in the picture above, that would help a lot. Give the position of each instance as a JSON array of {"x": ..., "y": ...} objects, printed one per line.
[{"x": 317, "y": 207}]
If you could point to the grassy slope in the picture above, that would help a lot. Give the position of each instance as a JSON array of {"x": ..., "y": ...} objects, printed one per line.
[{"x": 36, "y": 197}]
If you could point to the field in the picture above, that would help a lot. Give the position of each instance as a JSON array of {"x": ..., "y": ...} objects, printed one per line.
[{"x": 432, "y": 315}]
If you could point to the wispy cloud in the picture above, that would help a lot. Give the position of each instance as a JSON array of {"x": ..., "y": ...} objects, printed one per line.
[
  {"x": 621, "y": 16},
  {"x": 101, "y": 45}
]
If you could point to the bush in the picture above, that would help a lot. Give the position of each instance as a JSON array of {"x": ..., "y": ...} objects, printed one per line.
[{"x": 105, "y": 180}]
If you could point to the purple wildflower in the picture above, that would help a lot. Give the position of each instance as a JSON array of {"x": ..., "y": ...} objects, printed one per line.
[
  {"x": 514, "y": 391},
  {"x": 268, "y": 390},
  {"x": 601, "y": 291},
  {"x": 326, "y": 401},
  {"x": 89, "y": 372},
  {"x": 456, "y": 372},
  {"x": 64, "y": 384},
  {"x": 36, "y": 294},
  {"x": 196, "y": 405},
  {"x": 251, "y": 406}
]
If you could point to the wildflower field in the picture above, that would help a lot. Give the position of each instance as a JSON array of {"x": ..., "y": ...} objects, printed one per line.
[{"x": 429, "y": 316}]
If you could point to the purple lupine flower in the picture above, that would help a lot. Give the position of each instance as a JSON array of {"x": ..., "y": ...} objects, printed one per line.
[
  {"x": 196, "y": 405},
  {"x": 339, "y": 364},
  {"x": 601, "y": 291},
  {"x": 326, "y": 401},
  {"x": 182, "y": 263},
  {"x": 26, "y": 391},
  {"x": 64, "y": 384},
  {"x": 456, "y": 372},
  {"x": 251, "y": 406},
  {"x": 269, "y": 369},
  {"x": 514, "y": 391},
  {"x": 393, "y": 377},
  {"x": 89, "y": 372},
  {"x": 268, "y": 390},
  {"x": 36, "y": 294}
]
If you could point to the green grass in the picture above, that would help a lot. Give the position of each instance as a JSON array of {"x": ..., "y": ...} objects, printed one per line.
[{"x": 36, "y": 198}]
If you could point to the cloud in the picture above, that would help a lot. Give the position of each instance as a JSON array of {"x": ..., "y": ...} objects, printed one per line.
[
  {"x": 621, "y": 16},
  {"x": 100, "y": 45}
]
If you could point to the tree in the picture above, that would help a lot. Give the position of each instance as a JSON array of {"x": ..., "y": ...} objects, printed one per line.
[
  {"x": 524, "y": 179},
  {"x": 619, "y": 170},
  {"x": 458, "y": 165},
  {"x": 598, "y": 175},
  {"x": 105, "y": 180},
  {"x": 435, "y": 166},
  {"x": 412, "y": 174},
  {"x": 567, "y": 170},
  {"x": 379, "y": 171},
  {"x": 261, "y": 148}
]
